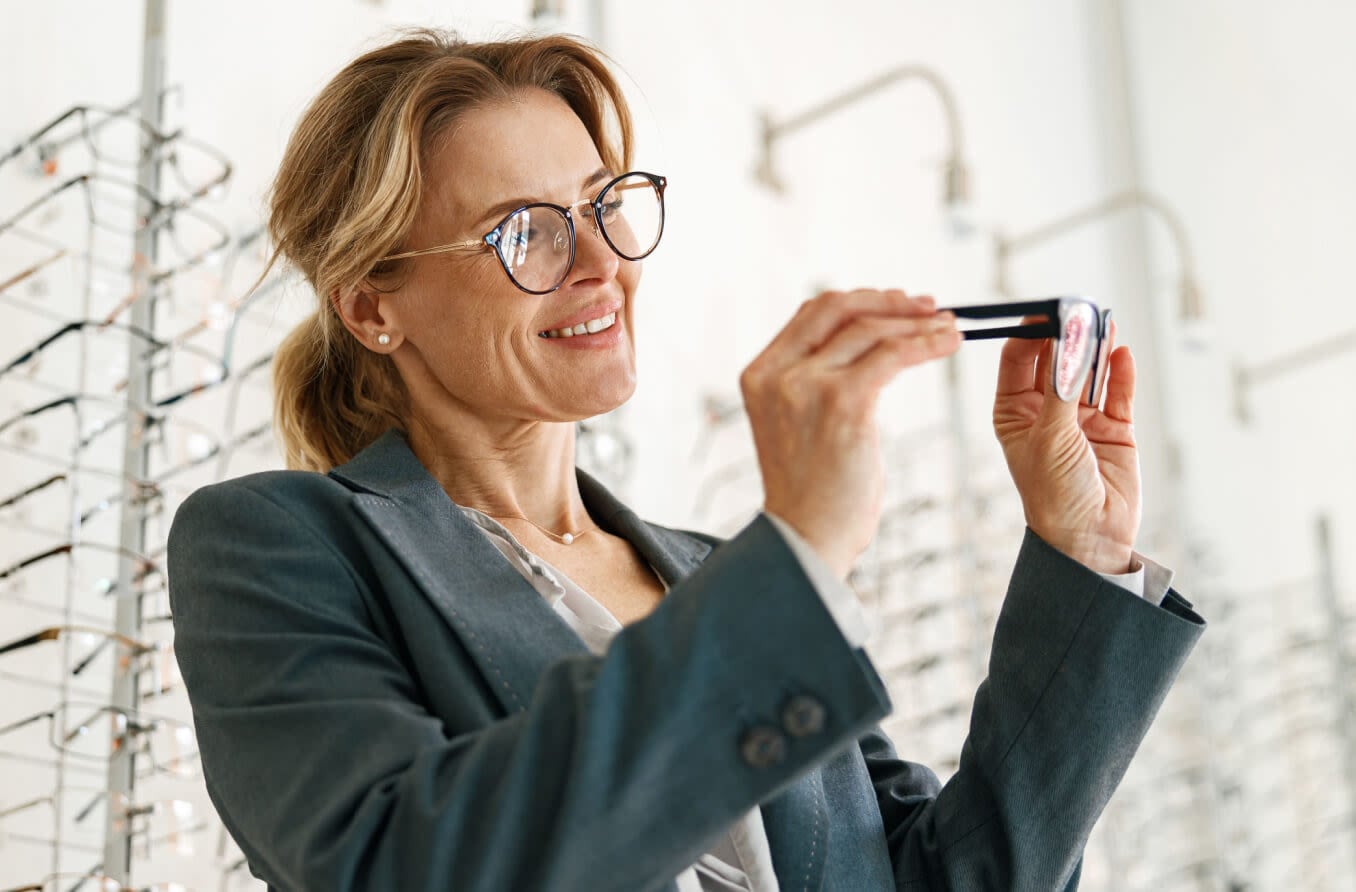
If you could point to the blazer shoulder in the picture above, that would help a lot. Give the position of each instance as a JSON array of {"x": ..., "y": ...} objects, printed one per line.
[
  {"x": 299, "y": 493},
  {"x": 267, "y": 506}
]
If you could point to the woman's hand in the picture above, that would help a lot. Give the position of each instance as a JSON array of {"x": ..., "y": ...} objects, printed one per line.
[
  {"x": 811, "y": 398},
  {"x": 1075, "y": 466}
]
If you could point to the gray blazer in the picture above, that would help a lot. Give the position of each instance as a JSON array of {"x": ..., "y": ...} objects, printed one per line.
[{"x": 384, "y": 703}]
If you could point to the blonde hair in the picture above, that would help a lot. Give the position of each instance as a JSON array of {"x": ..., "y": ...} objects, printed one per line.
[{"x": 347, "y": 192}]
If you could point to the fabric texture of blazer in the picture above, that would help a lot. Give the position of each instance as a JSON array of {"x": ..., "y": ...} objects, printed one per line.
[{"x": 384, "y": 703}]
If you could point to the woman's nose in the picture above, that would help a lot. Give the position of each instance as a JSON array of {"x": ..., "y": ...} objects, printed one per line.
[{"x": 593, "y": 256}]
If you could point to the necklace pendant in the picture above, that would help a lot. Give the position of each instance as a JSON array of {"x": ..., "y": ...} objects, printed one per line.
[{"x": 567, "y": 538}]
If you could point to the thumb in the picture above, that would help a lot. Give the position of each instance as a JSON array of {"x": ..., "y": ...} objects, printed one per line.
[{"x": 1056, "y": 412}]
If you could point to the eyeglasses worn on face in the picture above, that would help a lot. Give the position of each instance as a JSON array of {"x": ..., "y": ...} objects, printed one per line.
[
  {"x": 535, "y": 244},
  {"x": 1080, "y": 331}
]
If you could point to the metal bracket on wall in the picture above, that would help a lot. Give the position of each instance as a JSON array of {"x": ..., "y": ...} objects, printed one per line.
[{"x": 956, "y": 178}]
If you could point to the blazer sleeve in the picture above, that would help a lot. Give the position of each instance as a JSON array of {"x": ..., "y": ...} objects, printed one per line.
[
  {"x": 1078, "y": 669},
  {"x": 619, "y": 773}
]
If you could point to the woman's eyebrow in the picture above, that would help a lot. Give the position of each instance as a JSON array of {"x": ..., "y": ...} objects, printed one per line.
[{"x": 504, "y": 207}]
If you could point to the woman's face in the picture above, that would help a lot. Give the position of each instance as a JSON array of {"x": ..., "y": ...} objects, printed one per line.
[{"x": 470, "y": 336}]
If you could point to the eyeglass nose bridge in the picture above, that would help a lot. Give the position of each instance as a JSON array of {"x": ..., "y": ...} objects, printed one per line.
[{"x": 590, "y": 214}]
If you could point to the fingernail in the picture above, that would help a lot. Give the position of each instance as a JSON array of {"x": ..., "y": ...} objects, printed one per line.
[{"x": 927, "y": 302}]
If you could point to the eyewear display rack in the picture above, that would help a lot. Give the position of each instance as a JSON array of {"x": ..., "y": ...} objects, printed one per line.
[{"x": 122, "y": 389}]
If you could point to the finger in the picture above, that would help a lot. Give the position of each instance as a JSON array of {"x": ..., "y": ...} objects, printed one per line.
[
  {"x": 1045, "y": 366},
  {"x": 857, "y": 337},
  {"x": 1103, "y": 368},
  {"x": 1120, "y": 386},
  {"x": 882, "y": 362},
  {"x": 820, "y": 317},
  {"x": 1016, "y": 364}
]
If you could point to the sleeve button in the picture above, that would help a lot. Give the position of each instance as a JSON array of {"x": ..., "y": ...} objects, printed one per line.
[
  {"x": 762, "y": 746},
  {"x": 802, "y": 716}
]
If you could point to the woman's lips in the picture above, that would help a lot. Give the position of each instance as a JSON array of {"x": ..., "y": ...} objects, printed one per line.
[
  {"x": 601, "y": 340},
  {"x": 588, "y": 326}
]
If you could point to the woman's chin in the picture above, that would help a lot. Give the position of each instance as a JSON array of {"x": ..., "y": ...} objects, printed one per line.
[{"x": 605, "y": 399}]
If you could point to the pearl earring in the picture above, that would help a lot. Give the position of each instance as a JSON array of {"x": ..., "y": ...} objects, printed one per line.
[{"x": 383, "y": 339}]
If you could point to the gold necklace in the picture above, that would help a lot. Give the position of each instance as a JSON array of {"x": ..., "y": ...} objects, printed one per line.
[{"x": 562, "y": 538}]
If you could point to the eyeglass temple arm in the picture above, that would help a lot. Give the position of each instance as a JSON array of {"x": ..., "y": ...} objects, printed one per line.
[
  {"x": 1029, "y": 330},
  {"x": 471, "y": 243},
  {"x": 1033, "y": 331},
  {"x": 21, "y": 723},
  {"x": 37, "y": 487},
  {"x": 69, "y": 327}
]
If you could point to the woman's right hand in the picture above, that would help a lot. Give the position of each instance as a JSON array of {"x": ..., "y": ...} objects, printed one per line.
[{"x": 811, "y": 397}]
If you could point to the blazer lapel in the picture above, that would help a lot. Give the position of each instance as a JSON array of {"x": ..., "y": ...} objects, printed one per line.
[
  {"x": 509, "y": 629},
  {"x": 672, "y": 554},
  {"x": 506, "y": 626}
]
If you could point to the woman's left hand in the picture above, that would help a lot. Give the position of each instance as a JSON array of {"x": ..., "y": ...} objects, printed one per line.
[{"x": 1075, "y": 466}]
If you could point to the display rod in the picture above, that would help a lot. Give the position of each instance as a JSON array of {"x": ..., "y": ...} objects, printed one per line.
[{"x": 136, "y": 449}]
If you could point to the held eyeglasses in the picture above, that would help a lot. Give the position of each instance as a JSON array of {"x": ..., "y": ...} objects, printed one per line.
[
  {"x": 1079, "y": 328},
  {"x": 535, "y": 244}
]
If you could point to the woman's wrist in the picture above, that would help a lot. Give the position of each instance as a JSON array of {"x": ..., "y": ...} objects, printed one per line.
[{"x": 1097, "y": 553}]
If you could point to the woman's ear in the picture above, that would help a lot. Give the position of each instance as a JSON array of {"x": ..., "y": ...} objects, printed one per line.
[{"x": 365, "y": 313}]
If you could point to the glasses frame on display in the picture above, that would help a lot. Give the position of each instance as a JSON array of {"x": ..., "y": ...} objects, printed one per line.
[
  {"x": 494, "y": 239},
  {"x": 147, "y": 566},
  {"x": 123, "y": 825},
  {"x": 154, "y": 345},
  {"x": 79, "y": 882},
  {"x": 46, "y": 150},
  {"x": 101, "y": 274},
  {"x": 151, "y": 419},
  {"x": 163, "y": 679},
  {"x": 129, "y": 726},
  {"x": 1057, "y": 311},
  {"x": 161, "y": 218}
]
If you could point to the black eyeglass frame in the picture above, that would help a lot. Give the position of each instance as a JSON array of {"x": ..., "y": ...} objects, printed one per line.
[
  {"x": 494, "y": 238},
  {"x": 1056, "y": 310}
]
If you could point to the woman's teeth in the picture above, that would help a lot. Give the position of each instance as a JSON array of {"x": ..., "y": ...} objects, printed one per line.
[{"x": 593, "y": 326}]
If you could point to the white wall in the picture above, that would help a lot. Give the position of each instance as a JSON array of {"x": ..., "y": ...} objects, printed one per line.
[{"x": 1234, "y": 112}]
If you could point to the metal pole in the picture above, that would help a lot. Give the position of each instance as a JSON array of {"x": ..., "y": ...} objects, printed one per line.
[
  {"x": 132, "y": 533},
  {"x": 1344, "y": 673}
]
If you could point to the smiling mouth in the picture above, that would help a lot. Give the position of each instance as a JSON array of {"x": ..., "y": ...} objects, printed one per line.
[{"x": 593, "y": 326}]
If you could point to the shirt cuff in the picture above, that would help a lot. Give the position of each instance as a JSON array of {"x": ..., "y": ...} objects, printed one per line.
[
  {"x": 838, "y": 597},
  {"x": 1149, "y": 580}
]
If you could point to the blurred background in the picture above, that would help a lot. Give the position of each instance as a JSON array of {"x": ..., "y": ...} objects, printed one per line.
[{"x": 1187, "y": 164}]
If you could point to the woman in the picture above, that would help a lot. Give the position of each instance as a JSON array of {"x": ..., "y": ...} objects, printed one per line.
[{"x": 451, "y": 661}]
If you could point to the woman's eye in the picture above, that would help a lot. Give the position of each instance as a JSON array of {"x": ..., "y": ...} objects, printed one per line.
[{"x": 613, "y": 207}]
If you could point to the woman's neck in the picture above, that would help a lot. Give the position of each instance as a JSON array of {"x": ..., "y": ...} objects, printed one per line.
[{"x": 521, "y": 470}]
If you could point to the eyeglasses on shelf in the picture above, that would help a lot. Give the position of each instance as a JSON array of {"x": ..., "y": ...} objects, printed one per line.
[
  {"x": 82, "y": 817},
  {"x": 92, "y": 882},
  {"x": 105, "y": 585},
  {"x": 189, "y": 237},
  {"x": 95, "y": 732},
  {"x": 120, "y": 137}
]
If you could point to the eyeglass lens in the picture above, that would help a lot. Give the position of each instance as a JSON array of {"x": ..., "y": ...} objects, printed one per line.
[
  {"x": 1075, "y": 347},
  {"x": 535, "y": 244}
]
